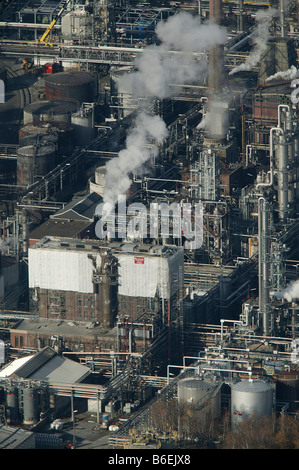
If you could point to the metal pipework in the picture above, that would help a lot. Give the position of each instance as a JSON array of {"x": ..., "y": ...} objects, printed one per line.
[
  {"x": 280, "y": 108},
  {"x": 264, "y": 262},
  {"x": 283, "y": 178},
  {"x": 274, "y": 129}
]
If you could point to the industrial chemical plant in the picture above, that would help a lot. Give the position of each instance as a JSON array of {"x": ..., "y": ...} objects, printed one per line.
[{"x": 149, "y": 202}]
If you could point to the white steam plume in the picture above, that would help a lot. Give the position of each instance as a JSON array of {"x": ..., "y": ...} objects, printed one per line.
[
  {"x": 131, "y": 159},
  {"x": 259, "y": 39},
  {"x": 158, "y": 69},
  {"x": 289, "y": 293},
  {"x": 157, "y": 72},
  {"x": 290, "y": 74}
]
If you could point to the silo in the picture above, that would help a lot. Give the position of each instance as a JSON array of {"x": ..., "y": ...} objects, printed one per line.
[
  {"x": 77, "y": 87},
  {"x": 83, "y": 122},
  {"x": 195, "y": 391},
  {"x": 49, "y": 111},
  {"x": 12, "y": 404},
  {"x": 34, "y": 161},
  {"x": 98, "y": 185},
  {"x": 287, "y": 388},
  {"x": 30, "y": 408},
  {"x": 250, "y": 398}
]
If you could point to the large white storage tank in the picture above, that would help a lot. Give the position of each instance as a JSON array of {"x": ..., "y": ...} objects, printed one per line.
[{"x": 251, "y": 398}]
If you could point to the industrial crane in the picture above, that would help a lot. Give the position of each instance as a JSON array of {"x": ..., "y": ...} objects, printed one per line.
[{"x": 45, "y": 36}]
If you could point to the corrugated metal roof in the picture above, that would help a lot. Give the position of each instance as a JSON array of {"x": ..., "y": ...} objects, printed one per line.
[
  {"x": 35, "y": 362},
  {"x": 61, "y": 369},
  {"x": 80, "y": 208},
  {"x": 10, "y": 369},
  {"x": 46, "y": 365}
]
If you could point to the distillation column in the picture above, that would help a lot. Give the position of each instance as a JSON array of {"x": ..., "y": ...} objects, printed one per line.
[
  {"x": 282, "y": 178},
  {"x": 264, "y": 237}
]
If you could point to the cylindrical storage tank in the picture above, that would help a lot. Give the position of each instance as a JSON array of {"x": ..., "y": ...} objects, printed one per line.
[
  {"x": 12, "y": 405},
  {"x": 49, "y": 111},
  {"x": 34, "y": 161},
  {"x": 63, "y": 130},
  {"x": 97, "y": 184},
  {"x": 249, "y": 398},
  {"x": 121, "y": 93},
  {"x": 77, "y": 87},
  {"x": 287, "y": 388},
  {"x": 83, "y": 122},
  {"x": 35, "y": 139},
  {"x": 30, "y": 408},
  {"x": 192, "y": 392}
]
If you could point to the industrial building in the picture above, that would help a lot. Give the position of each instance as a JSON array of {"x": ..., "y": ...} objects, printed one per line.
[{"x": 149, "y": 195}]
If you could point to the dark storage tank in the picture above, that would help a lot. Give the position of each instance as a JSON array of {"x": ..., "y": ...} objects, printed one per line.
[
  {"x": 287, "y": 388},
  {"x": 63, "y": 130},
  {"x": 34, "y": 161},
  {"x": 12, "y": 405},
  {"x": 49, "y": 111},
  {"x": 77, "y": 87}
]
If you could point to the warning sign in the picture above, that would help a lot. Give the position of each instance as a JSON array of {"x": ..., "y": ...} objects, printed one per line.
[{"x": 138, "y": 260}]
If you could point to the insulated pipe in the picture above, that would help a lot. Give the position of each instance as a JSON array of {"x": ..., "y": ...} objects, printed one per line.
[
  {"x": 264, "y": 263},
  {"x": 283, "y": 178},
  {"x": 280, "y": 108},
  {"x": 272, "y": 130}
]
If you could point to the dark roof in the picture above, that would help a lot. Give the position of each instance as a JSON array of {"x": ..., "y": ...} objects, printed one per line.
[
  {"x": 82, "y": 208},
  {"x": 59, "y": 228},
  {"x": 38, "y": 360}
]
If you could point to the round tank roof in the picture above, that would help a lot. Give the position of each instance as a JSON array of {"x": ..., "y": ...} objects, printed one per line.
[
  {"x": 54, "y": 107},
  {"x": 30, "y": 150},
  {"x": 195, "y": 384},
  {"x": 254, "y": 386},
  {"x": 70, "y": 78}
]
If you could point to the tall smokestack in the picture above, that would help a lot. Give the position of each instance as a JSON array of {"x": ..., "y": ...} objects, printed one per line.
[{"x": 216, "y": 61}]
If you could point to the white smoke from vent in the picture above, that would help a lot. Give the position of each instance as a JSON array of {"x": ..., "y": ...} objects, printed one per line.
[
  {"x": 260, "y": 40},
  {"x": 290, "y": 74},
  {"x": 290, "y": 293},
  {"x": 159, "y": 74},
  {"x": 158, "y": 70},
  {"x": 131, "y": 159},
  {"x": 215, "y": 121}
]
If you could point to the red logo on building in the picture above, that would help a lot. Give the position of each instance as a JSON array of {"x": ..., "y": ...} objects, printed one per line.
[{"x": 138, "y": 260}]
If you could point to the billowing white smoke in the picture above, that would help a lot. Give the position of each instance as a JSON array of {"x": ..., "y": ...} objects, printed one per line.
[
  {"x": 289, "y": 293},
  {"x": 290, "y": 74},
  {"x": 259, "y": 39},
  {"x": 158, "y": 69},
  {"x": 157, "y": 73},
  {"x": 215, "y": 121},
  {"x": 131, "y": 159}
]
